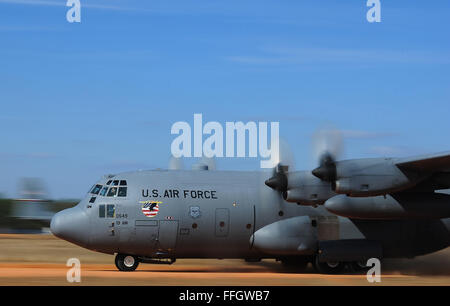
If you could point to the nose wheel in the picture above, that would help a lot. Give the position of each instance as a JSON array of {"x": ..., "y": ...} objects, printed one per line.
[{"x": 126, "y": 262}]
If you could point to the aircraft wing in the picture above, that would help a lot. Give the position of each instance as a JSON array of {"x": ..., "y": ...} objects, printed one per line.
[
  {"x": 435, "y": 166},
  {"x": 430, "y": 163}
]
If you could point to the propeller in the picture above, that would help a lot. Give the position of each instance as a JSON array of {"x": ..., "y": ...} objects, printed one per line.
[
  {"x": 283, "y": 162},
  {"x": 327, "y": 169},
  {"x": 279, "y": 180},
  {"x": 327, "y": 144}
]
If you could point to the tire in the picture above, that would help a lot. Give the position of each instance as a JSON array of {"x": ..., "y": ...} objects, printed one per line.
[
  {"x": 126, "y": 262},
  {"x": 359, "y": 266},
  {"x": 328, "y": 267}
]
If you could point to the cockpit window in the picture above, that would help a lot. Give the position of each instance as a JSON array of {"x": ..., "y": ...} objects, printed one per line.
[
  {"x": 101, "y": 211},
  {"x": 104, "y": 190},
  {"x": 122, "y": 192},
  {"x": 110, "y": 211},
  {"x": 90, "y": 189},
  {"x": 112, "y": 192},
  {"x": 123, "y": 183},
  {"x": 109, "y": 182},
  {"x": 107, "y": 212},
  {"x": 116, "y": 183},
  {"x": 96, "y": 189}
]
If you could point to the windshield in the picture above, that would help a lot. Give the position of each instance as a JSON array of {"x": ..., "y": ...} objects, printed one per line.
[{"x": 96, "y": 189}]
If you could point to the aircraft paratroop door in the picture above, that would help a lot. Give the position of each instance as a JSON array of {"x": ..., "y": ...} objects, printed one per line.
[
  {"x": 222, "y": 222},
  {"x": 146, "y": 235},
  {"x": 168, "y": 231}
]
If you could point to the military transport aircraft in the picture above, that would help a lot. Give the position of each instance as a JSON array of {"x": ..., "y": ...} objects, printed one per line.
[{"x": 340, "y": 214}]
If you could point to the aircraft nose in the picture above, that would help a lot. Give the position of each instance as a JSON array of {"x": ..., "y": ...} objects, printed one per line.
[{"x": 71, "y": 224}]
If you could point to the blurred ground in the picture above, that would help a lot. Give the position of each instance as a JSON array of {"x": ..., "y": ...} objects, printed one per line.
[
  {"x": 40, "y": 260},
  {"x": 32, "y": 224}
]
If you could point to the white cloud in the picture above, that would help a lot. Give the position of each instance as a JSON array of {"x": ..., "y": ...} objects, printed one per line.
[
  {"x": 283, "y": 55},
  {"x": 396, "y": 151},
  {"x": 34, "y": 2},
  {"x": 63, "y": 3},
  {"x": 386, "y": 150},
  {"x": 31, "y": 155},
  {"x": 358, "y": 134}
]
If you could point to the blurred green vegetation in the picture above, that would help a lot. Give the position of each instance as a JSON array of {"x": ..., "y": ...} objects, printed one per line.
[{"x": 8, "y": 222}]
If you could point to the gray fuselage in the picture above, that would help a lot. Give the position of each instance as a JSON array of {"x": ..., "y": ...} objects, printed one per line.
[{"x": 224, "y": 214}]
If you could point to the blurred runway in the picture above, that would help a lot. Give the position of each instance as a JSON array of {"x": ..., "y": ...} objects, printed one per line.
[{"x": 41, "y": 260}]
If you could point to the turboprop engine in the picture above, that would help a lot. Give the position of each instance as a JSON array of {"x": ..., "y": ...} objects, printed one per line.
[
  {"x": 306, "y": 189},
  {"x": 300, "y": 187},
  {"x": 398, "y": 206},
  {"x": 365, "y": 177}
]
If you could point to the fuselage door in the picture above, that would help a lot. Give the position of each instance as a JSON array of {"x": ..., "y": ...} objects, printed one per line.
[{"x": 167, "y": 235}]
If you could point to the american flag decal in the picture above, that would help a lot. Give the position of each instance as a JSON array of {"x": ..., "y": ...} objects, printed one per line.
[{"x": 150, "y": 208}]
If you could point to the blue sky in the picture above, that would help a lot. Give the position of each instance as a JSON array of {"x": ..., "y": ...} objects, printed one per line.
[{"x": 82, "y": 100}]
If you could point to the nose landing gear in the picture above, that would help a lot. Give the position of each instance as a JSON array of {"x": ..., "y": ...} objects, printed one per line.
[{"x": 126, "y": 262}]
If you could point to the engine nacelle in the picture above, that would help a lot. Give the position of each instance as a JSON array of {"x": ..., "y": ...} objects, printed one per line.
[
  {"x": 398, "y": 206},
  {"x": 370, "y": 177},
  {"x": 293, "y": 236},
  {"x": 306, "y": 189}
]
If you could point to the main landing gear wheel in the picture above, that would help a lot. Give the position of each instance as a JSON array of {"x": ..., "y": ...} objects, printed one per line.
[
  {"x": 126, "y": 262},
  {"x": 359, "y": 266},
  {"x": 328, "y": 267}
]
